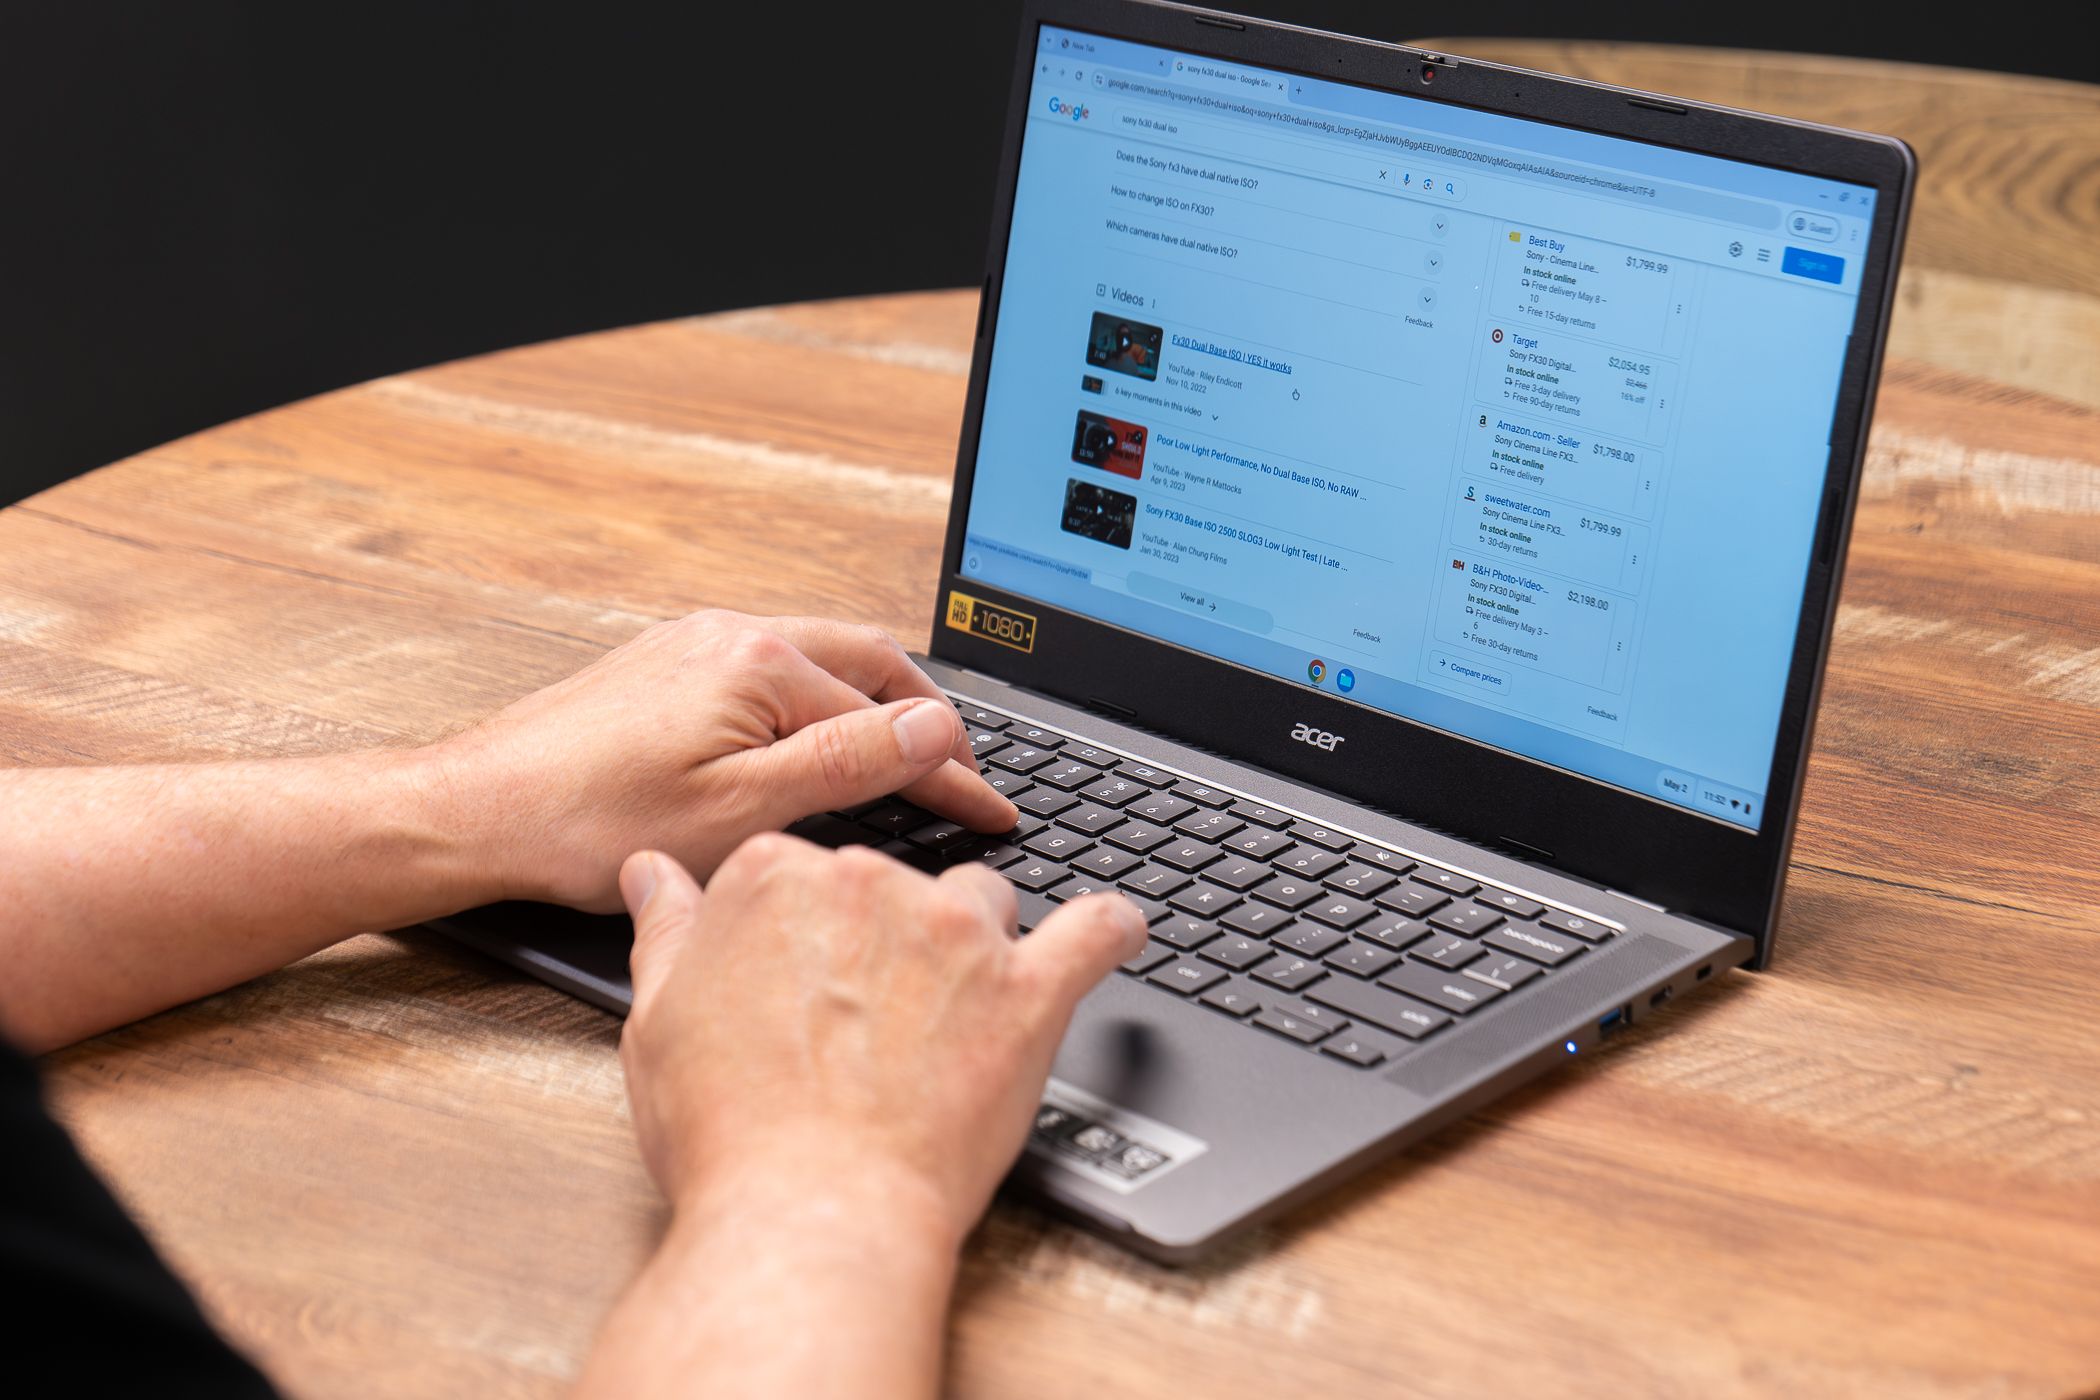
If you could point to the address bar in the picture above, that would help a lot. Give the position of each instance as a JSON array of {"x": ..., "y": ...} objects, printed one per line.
[{"x": 1709, "y": 204}]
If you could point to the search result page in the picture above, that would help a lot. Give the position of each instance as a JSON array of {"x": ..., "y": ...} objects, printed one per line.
[{"x": 1514, "y": 431}]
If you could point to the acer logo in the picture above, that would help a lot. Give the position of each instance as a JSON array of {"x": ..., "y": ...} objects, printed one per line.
[{"x": 1318, "y": 738}]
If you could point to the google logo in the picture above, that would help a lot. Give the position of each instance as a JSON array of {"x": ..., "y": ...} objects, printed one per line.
[{"x": 1062, "y": 108}]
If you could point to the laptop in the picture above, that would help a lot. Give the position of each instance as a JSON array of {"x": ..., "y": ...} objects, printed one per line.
[{"x": 1397, "y": 529}]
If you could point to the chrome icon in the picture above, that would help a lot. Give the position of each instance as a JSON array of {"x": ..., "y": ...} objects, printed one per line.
[{"x": 1317, "y": 671}]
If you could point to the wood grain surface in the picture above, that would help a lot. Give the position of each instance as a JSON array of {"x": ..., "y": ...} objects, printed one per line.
[{"x": 398, "y": 1169}]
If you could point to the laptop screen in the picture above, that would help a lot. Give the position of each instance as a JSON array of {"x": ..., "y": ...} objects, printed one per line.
[{"x": 1509, "y": 429}]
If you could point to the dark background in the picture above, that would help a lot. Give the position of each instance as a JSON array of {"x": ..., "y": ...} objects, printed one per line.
[{"x": 216, "y": 207}]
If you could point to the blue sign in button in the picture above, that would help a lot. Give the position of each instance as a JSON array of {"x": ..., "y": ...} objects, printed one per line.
[{"x": 1823, "y": 267}]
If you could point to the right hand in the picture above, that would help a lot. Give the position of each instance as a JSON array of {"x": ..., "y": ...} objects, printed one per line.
[{"x": 825, "y": 1015}]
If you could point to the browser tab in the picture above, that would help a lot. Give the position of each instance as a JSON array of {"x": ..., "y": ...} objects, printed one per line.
[{"x": 1213, "y": 76}]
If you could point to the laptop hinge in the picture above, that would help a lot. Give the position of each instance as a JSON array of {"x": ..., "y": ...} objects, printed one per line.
[{"x": 1635, "y": 899}]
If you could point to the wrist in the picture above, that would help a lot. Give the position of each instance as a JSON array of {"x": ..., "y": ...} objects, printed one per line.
[
  {"x": 842, "y": 1199},
  {"x": 442, "y": 796}
]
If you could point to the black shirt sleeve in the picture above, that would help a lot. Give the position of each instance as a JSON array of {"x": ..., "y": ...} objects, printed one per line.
[{"x": 86, "y": 1289}]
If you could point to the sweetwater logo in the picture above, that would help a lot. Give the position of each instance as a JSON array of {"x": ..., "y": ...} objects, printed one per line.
[{"x": 1077, "y": 112}]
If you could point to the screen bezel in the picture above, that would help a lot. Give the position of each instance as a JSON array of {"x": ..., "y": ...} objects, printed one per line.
[{"x": 1645, "y": 847}]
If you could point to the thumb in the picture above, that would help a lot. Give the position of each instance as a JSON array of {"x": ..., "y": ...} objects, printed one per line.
[
  {"x": 665, "y": 903},
  {"x": 1078, "y": 945},
  {"x": 858, "y": 755}
]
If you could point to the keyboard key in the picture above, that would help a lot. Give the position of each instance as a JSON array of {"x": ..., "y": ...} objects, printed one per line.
[
  {"x": 1153, "y": 909},
  {"x": 1288, "y": 892},
  {"x": 1031, "y": 907},
  {"x": 1010, "y": 784},
  {"x": 917, "y": 857},
  {"x": 1340, "y": 911},
  {"x": 1309, "y": 861},
  {"x": 1236, "y": 951},
  {"x": 1236, "y": 997},
  {"x": 1022, "y": 758},
  {"x": 1045, "y": 802},
  {"x": 1358, "y": 879},
  {"x": 1382, "y": 858},
  {"x": 1133, "y": 1159},
  {"x": 1512, "y": 904},
  {"x": 1202, "y": 793},
  {"x": 1030, "y": 734},
  {"x": 1307, "y": 940},
  {"x": 860, "y": 809},
  {"x": 1186, "y": 854},
  {"x": 1078, "y": 886},
  {"x": 896, "y": 818},
  {"x": 1067, "y": 774},
  {"x": 1259, "y": 920},
  {"x": 1506, "y": 973},
  {"x": 1357, "y": 1047},
  {"x": 1446, "y": 950},
  {"x": 1450, "y": 990},
  {"x": 1283, "y": 1023},
  {"x": 1187, "y": 975},
  {"x": 939, "y": 835},
  {"x": 1290, "y": 972},
  {"x": 1162, "y": 807},
  {"x": 1146, "y": 773},
  {"x": 1588, "y": 929},
  {"x": 1237, "y": 872},
  {"x": 1261, "y": 816},
  {"x": 1362, "y": 959},
  {"x": 1057, "y": 843},
  {"x": 1114, "y": 792},
  {"x": 1139, "y": 836},
  {"x": 1311, "y": 1012},
  {"x": 1035, "y": 873},
  {"x": 978, "y": 717},
  {"x": 833, "y": 832},
  {"x": 1087, "y": 753},
  {"x": 1260, "y": 843},
  {"x": 1107, "y": 862},
  {"x": 1204, "y": 899},
  {"x": 1395, "y": 931},
  {"x": 1449, "y": 881},
  {"x": 1184, "y": 931},
  {"x": 1549, "y": 946},
  {"x": 986, "y": 741},
  {"x": 1158, "y": 881},
  {"x": 1153, "y": 955},
  {"x": 1209, "y": 826},
  {"x": 995, "y": 851},
  {"x": 1468, "y": 918},
  {"x": 1321, "y": 836},
  {"x": 1089, "y": 818},
  {"x": 1411, "y": 898},
  {"x": 1364, "y": 1002}
]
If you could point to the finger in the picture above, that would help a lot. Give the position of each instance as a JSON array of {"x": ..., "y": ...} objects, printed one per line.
[
  {"x": 866, "y": 658},
  {"x": 1072, "y": 950},
  {"x": 665, "y": 903},
  {"x": 807, "y": 696},
  {"x": 867, "y": 753},
  {"x": 993, "y": 892}
]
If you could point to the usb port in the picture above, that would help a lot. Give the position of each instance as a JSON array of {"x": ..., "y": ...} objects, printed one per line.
[{"x": 1615, "y": 1020}]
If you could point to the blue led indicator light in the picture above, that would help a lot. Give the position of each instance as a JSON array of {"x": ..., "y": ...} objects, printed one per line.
[{"x": 1572, "y": 1047}]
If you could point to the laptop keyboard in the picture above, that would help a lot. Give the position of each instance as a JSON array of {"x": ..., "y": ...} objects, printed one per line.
[{"x": 1351, "y": 949}]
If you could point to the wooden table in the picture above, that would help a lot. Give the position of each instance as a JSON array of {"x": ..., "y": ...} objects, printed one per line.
[{"x": 397, "y": 1169}]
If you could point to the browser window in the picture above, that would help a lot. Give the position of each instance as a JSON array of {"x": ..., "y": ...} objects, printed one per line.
[{"x": 1512, "y": 430}]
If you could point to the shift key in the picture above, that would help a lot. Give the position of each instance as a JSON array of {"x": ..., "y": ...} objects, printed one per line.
[{"x": 1364, "y": 1002}]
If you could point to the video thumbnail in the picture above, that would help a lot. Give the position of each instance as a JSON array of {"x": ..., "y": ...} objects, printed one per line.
[
  {"x": 1125, "y": 346},
  {"x": 1097, "y": 513},
  {"x": 1110, "y": 444}
]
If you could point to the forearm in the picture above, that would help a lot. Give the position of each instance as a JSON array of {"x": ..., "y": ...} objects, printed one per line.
[
  {"x": 785, "y": 1284},
  {"x": 127, "y": 890}
]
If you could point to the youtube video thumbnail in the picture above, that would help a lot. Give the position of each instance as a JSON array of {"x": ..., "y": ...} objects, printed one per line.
[
  {"x": 1110, "y": 444},
  {"x": 1125, "y": 346},
  {"x": 1095, "y": 512}
]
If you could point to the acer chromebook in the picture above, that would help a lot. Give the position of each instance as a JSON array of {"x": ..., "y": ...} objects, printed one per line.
[{"x": 1396, "y": 534}]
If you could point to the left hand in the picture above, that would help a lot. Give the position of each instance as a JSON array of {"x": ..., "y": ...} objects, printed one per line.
[{"x": 697, "y": 734}]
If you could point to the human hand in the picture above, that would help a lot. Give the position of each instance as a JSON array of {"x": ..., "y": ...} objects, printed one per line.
[
  {"x": 695, "y": 735},
  {"x": 834, "y": 1019}
]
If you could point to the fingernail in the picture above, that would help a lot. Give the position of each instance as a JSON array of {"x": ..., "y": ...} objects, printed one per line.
[
  {"x": 925, "y": 731},
  {"x": 638, "y": 882}
]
